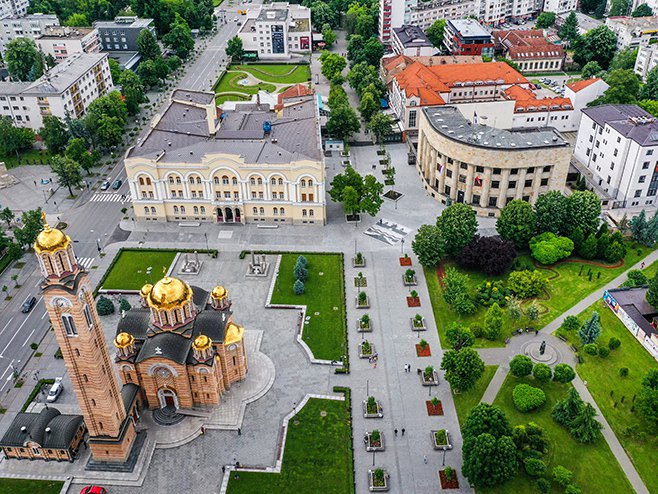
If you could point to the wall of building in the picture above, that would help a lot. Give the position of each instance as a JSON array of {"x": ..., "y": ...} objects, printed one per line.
[{"x": 647, "y": 342}]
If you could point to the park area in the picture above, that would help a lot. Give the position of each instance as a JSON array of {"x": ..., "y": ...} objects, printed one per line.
[
  {"x": 240, "y": 82},
  {"x": 466, "y": 400},
  {"x": 128, "y": 270},
  {"x": 317, "y": 455},
  {"x": 29, "y": 157},
  {"x": 324, "y": 297},
  {"x": 20, "y": 486},
  {"x": 569, "y": 281}
]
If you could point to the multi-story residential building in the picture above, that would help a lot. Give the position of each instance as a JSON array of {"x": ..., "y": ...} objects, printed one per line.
[
  {"x": 467, "y": 37},
  {"x": 412, "y": 42},
  {"x": 560, "y": 6},
  {"x": 250, "y": 165},
  {"x": 67, "y": 89},
  {"x": 618, "y": 145},
  {"x": 495, "y": 12},
  {"x": 393, "y": 13},
  {"x": 277, "y": 30},
  {"x": 484, "y": 166},
  {"x": 30, "y": 26},
  {"x": 424, "y": 14},
  {"x": 634, "y": 31},
  {"x": 647, "y": 59},
  {"x": 582, "y": 93},
  {"x": 529, "y": 49},
  {"x": 13, "y": 8},
  {"x": 60, "y": 42},
  {"x": 121, "y": 34}
]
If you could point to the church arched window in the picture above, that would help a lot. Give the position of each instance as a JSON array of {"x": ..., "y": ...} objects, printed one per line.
[
  {"x": 88, "y": 318},
  {"x": 69, "y": 326}
]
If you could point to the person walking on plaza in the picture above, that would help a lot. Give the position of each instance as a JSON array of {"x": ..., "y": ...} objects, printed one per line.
[
  {"x": 425, "y": 459},
  {"x": 403, "y": 431},
  {"x": 395, "y": 432}
]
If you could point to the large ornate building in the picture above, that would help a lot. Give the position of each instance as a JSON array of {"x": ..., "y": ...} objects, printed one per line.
[{"x": 181, "y": 346}]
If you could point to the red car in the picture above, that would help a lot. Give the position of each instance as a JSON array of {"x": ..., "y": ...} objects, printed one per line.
[{"x": 93, "y": 489}]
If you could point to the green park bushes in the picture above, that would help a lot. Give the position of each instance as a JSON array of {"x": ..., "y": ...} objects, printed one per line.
[{"x": 527, "y": 398}]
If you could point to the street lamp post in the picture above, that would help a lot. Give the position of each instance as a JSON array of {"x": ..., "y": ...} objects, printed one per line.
[
  {"x": 207, "y": 248},
  {"x": 444, "y": 456},
  {"x": 401, "y": 246}
]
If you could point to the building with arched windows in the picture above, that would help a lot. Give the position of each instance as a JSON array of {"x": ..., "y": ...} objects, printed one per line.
[{"x": 241, "y": 166}]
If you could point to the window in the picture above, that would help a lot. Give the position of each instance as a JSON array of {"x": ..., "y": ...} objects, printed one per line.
[
  {"x": 412, "y": 118},
  {"x": 650, "y": 152},
  {"x": 256, "y": 211},
  {"x": 283, "y": 212},
  {"x": 303, "y": 183},
  {"x": 310, "y": 183},
  {"x": 638, "y": 193},
  {"x": 448, "y": 173},
  {"x": 310, "y": 212},
  {"x": 152, "y": 210},
  {"x": 515, "y": 171},
  {"x": 476, "y": 200},
  {"x": 171, "y": 180},
  {"x": 196, "y": 210},
  {"x": 446, "y": 190},
  {"x": 175, "y": 209},
  {"x": 492, "y": 202},
  {"x": 547, "y": 168},
  {"x": 495, "y": 184},
  {"x": 262, "y": 210},
  {"x": 141, "y": 181},
  {"x": 479, "y": 169},
  {"x": 182, "y": 210},
  {"x": 280, "y": 181},
  {"x": 614, "y": 153},
  {"x": 528, "y": 183},
  {"x": 496, "y": 171},
  {"x": 88, "y": 316},
  {"x": 512, "y": 184},
  {"x": 234, "y": 181},
  {"x": 69, "y": 326},
  {"x": 216, "y": 180},
  {"x": 275, "y": 211},
  {"x": 462, "y": 179},
  {"x": 260, "y": 181},
  {"x": 178, "y": 180},
  {"x": 252, "y": 181},
  {"x": 642, "y": 179},
  {"x": 304, "y": 212},
  {"x": 203, "y": 210},
  {"x": 273, "y": 181},
  {"x": 463, "y": 166},
  {"x": 544, "y": 181}
]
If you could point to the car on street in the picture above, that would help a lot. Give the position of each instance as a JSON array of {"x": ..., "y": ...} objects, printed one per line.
[
  {"x": 55, "y": 390},
  {"x": 93, "y": 489},
  {"x": 28, "y": 304},
  {"x": 105, "y": 185},
  {"x": 116, "y": 184},
  {"x": 235, "y": 19}
]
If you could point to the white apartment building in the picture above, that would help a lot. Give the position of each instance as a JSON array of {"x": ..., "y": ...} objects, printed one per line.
[
  {"x": 633, "y": 32},
  {"x": 412, "y": 42},
  {"x": 67, "y": 89},
  {"x": 560, "y": 6},
  {"x": 427, "y": 13},
  {"x": 494, "y": 12},
  {"x": 647, "y": 59},
  {"x": 30, "y": 26},
  {"x": 619, "y": 146},
  {"x": 60, "y": 42},
  {"x": 393, "y": 13},
  {"x": 582, "y": 93},
  {"x": 278, "y": 30},
  {"x": 13, "y": 8}
]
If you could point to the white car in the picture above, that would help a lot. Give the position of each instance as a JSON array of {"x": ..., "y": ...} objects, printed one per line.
[{"x": 55, "y": 390}]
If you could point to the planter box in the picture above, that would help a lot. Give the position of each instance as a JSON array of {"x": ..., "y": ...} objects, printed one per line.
[
  {"x": 393, "y": 195},
  {"x": 412, "y": 321},
  {"x": 346, "y": 163},
  {"x": 440, "y": 446},
  {"x": 448, "y": 484},
  {"x": 370, "y": 447},
  {"x": 413, "y": 301},
  {"x": 405, "y": 261},
  {"x": 366, "y": 355},
  {"x": 423, "y": 352},
  {"x": 434, "y": 381},
  {"x": 353, "y": 218},
  {"x": 434, "y": 410},
  {"x": 377, "y": 415},
  {"x": 360, "y": 282},
  {"x": 359, "y": 265},
  {"x": 407, "y": 282},
  {"x": 362, "y": 329},
  {"x": 372, "y": 487},
  {"x": 365, "y": 305}
]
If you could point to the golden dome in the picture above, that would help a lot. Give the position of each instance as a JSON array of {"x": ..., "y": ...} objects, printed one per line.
[
  {"x": 219, "y": 292},
  {"x": 145, "y": 290},
  {"x": 233, "y": 334},
  {"x": 50, "y": 239},
  {"x": 202, "y": 342},
  {"x": 123, "y": 340},
  {"x": 169, "y": 293}
]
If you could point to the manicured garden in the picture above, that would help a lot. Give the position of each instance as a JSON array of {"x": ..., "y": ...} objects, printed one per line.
[
  {"x": 277, "y": 73},
  {"x": 324, "y": 297},
  {"x": 29, "y": 157},
  {"x": 615, "y": 394},
  {"x": 595, "y": 469},
  {"x": 128, "y": 270},
  {"x": 317, "y": 456},
  {"x": 20, "y": 486},
  {"x": 466, "y": 400},
  {"x": 230, "y": 83},
  {"x": 272, "y": 78}
]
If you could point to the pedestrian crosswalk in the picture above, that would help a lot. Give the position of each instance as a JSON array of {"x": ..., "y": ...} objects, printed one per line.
[
  {"x": 85, "y": 262},
  {"x": 107, "y": 197}
]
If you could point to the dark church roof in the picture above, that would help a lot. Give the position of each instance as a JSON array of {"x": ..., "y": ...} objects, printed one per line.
[
  {"x": 61, "y": 434},
  {"x": 136, "y": 322},
  {"x": 167, "y": 345},
  {"x": 128, "y": 393}
]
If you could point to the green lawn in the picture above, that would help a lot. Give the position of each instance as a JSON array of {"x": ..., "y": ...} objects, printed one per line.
[
  {"x": 129, "y": 270},
  {"x": 324, "y": 294},
  {"x": 41, "y": 156},
  {"x": 564, "y": 291},
  {"x": 594, "y": 466},
  {"x": 602, "y": 376},
  {"x": 466, "y": 400},
  {"x": 277, "y": 73},
  {"x": 20, "y": 486},
  {"x": 230, "y": 97},
  {"x": 317, "y": 457},
  {"x": 230, "y": 83}
]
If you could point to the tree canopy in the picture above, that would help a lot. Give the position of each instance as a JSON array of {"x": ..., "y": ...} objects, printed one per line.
[
  {"x": 463, "y": 368},
  {"x": 14, "y": 139},
  {"x": 517, "y": 223},
  {"x": 545, "y": 20},
  {"x": 435, "y": 33},
  {"x": 642, "y": 10},
  {"x": 458, "y": 226},
  {"x": 597, "y": 45},
  {"x": 428, "y": 245},
  {"x": 54, "y": 133},
  {"x": 569, "y": 29},
  {"x": 24, "y": 60},
  {"x": 234, "y": 48},
  {"x": 357, "y": 193}
]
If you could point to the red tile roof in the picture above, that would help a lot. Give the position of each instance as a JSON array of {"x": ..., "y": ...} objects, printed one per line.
[
  {"x": 577, "y": 86},
  {"x": 527, "y": 45},
  {"x": 294, "y": 92},
  {"x": 526, "y": 100}
]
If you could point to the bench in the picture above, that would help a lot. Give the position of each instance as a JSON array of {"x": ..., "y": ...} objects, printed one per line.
[
  {"x": 579, "y": 359},
  {"x": 269, "y": 227},
  {"x": 574, "y": 348},
  {"x": 563, "y": 338},
  {"x": 189, "y": 223},
  {"x": 507, "y": 340}
]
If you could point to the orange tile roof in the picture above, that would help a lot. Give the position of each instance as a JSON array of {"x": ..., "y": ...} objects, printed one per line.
[
  {"x": 294, "y": 92},
  {"x": 518, "y": 92},
  {"x": 530, "y": 44},
  {"x": 577, "y": 86},
  {"x": 417, "y": 80},
  {"x": 525, "y": 99},
  {"x": 478, "y": 72}
]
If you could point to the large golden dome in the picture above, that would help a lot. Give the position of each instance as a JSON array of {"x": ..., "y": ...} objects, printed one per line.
[
  {"x": 233, "y": 334},
  {"x": 169, "y": 293},
  {"x": 219, "y": 292},
  {"x": 202, "y": 342},
  {"x": 50, "y": 239},
  {"x": 123, "y": 340}
]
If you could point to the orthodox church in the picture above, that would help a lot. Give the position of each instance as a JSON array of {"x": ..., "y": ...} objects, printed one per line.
[{"x": 181, "y": 347}]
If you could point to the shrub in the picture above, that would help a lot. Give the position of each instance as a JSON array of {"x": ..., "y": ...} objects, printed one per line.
[
  {"x": 488, "y": 293},
  {"x": 534, "y": 467},
  {"x": 34, "y": 346},
  {"x": 572, "y": 489},
  {"x": 521, "y": 365},
  {"x": 570, "y": 323},
  {"x": 604, "y": 351},
  {"x": 301, "y": 260},
  {"x": 300, "y": 272},
  {"x": 623, "y": 372},
  {"x": 636, "y": 277},
  {"x": 298, "y": 287},
  {"x": 614, "y": 343},
  {"x": 564, "y": 373},
  {"x": 548, "y": 248},
  {"x": 526, "y": 284},
  {"x": 544, "y": 485},
  {"x": 490, "y": 255},
  {"x": 362, "y": 297},
  {"x": 591, "y": 349},
  {"x": 456, "y": 293},
  {"x": 104, "y": 306},
  {"x": 542, "y": 373},
  {"x": 527, "y": 398},
  {"x": 477, "y": 330},
  {"x": 124, "y": 305},
  {"x": 562, "y": 475}
]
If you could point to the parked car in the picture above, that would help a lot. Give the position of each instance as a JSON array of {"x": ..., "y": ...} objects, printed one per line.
[
  {"x": 28, "y": 304},
  {"x": 55, "y": 390},
  {"x": 93, "y": 489},
  {"x": 116, "y": 184},
  {"x": 105, "y": 185}
]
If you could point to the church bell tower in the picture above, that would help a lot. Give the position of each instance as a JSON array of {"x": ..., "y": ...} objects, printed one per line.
[{"x": 70, "y": 304}]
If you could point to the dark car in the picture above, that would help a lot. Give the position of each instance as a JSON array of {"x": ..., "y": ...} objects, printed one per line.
[
  {"x": 28, "y": 304},
  {"x": 93, "y": 489},
  {"x": 105, "y": 185},
  {"x": 116, "y": 184}
]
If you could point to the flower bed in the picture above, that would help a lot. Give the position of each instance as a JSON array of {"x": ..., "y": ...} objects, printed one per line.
[
  {"x": 378, "y": 480},
  {"x": 363, "y": 327},
  {"x": 372, "y": 409},
  {"x": 423, "y": 351},
  {"x": 413, "y": 301},
  {"x": 409, "y": 278},
  {"x": 374, "y": 441},
  {"x": 434, "y": 407},
  {"x": 405, "y": 261},
  {"x": 441, "y": 439},
  {"x": 359, "y": 261},
  {"x": 360, "y": 281},
  {"x": 417, "y": 323},
  {"x": 362, "y": 301},
  {"x": 449, "y": 480},
  {"x": 429, "y": 377},
  {"x": 366, "y": 349}
]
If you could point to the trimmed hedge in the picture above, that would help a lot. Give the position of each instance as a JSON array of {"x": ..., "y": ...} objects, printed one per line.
[
  {"x": 527, "y": 398},
  {"x": 35, "y": 392}
]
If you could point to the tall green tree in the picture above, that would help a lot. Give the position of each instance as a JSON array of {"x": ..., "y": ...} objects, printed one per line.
[
  {"x": 458, "y": 337},
  {"x": 77, "y": 152},
  {"x": 32, "y": 226},
  {"x": 591, "y": 329},
  {"x": 362, "y": 75},
  {"x": 381, "y": 125},
  {"x": 489, "y": 461},
  {"x": 569, "y": 29},
  {"x": 108, "y": 132},
  {"x": 566, "y": 410},
  {"x": 235, "y": 49},
  {"x": 642, "y": 10},
  {"x": 321, "y": 14},
  {"x": 624, "y": 88},
  {"x": 147, "y": 46},
  {"x": 652, "y": 292},
  {"x": 584, "y": 212},
  {"x": 179, "y": 38},
  {"x": 7, "y": 215},
  {"x": 132, "y": 90},
  {"x": 493, "y": 322},
  {"x": 584, "y": 427},
  {"x": 463, "y": 368},
  {"x": 428, "y": 245},
  {"x": 54, "y": 133},
  {"x": 647, "y": 402},
  {"x": 332, "y": 64},
  {"x": 551, "y": 212},
  {"x": 115, "y": 70},
  {"x": 67, "y": 171},
  {"x": 624, "y": 59},
  {"x": 368, "y": 107},
  {"x": 598, "y": 45},
  {"x": 435, "y": 33},
  {"x": 105, "y": 120},
  {"x": 328, "y": 35},
  {"x": 591, "y": 69},
  {"x": 14, "y": 139},
  {"x": 343, "y": 122},
  {"x": 147, "y": 73},
  {"x": 24, "y": 60},
  {"x": 458, "y": 226},
  {"x": 545, "y": 20},
  {"x": 455, "y": 292},
  {"x": 485, "y": 419},
  {"x": 517, "y": 223},
  {"x": 357, "y": 193},
  {"x": 650, "y": 89},
  {"x": 620, "y": 7},
  {"x": 77, "y": 20}
]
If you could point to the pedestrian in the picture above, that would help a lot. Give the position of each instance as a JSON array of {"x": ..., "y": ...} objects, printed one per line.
[
  {"x": 35, "y": 182},
  {"x": 642, "y": 266},
  {"x": 409, "y": 367},
  {"x": 239, "y": 431},
  {"x": 223, "y": 468},
  {"x": 536, "y": 332},
  {"x": 375, "y": 366},
  {"x": 395, "y": 431},
  {"x": 418, "y": 371},
  {"x": 405, "y": 367},
  {"x": 403, "y": 431},
  {"x": 425, "y": 459}
]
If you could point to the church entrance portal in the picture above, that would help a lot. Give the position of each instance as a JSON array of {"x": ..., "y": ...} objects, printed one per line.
[{"x": 167, "y": 398}]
